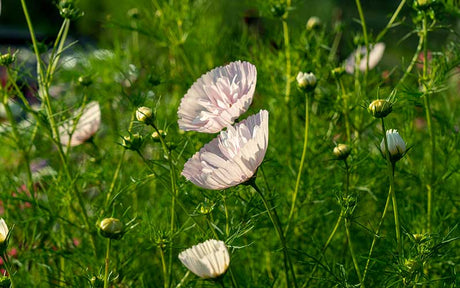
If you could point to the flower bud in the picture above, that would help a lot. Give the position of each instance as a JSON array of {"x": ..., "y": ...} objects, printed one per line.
[
  {"x": 313, "y": 23},
  {"x": 145, "y": 114},
  {"x": 5, "y": 282},
  {"x": 156, "y": 136},
  {"x": 396, "y": 145},
  {"x": 96, "y": 282},
  {"x": 85, "y": 80},
  {"x": 418, "y": 237},
  {"x": 278, "y": 9},
  {"x": 68, "y": 10},
  {"x": 4, "y": 231},
  {"x": 380, "y": 108},
  {"x": 8, "y": 58},
  {"x": 111, "y": 228},
  {"x": 306, "y": 81},
  {"x": 342, "y": 151},
  {"x": 133, "y": 13},
  {"x": 338, "y": 72},
  {"x": 132, "y": 142},
  {"x": 422, "y": 4}
]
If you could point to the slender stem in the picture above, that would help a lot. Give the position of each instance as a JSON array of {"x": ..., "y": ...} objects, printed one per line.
[
  {"x": 426, "y": 101},
  {"x": 287, "y": 92},
  {"x": 107, "y": 259},
  {"x": 391, "y": 168},
  {"x": 182, "y": 281},
  {"x": 366, "y": 40},
  {"x": 8, "y": 268},
  {"x": 412, "y": 62},
  {"x": 392, "y": 20},
  {"x": 164, "y": 269},
  {"x": 353, "y": 257},
  {"x": 376, "y": 234},
  {"x": 277, "y": 224},
  {"x": 302, "y": 160},
  {"x": 345, "y": 110}
]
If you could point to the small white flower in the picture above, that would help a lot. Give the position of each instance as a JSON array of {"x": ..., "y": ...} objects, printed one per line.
[
  {"x": 209, "y": 259},
  {"x": 3, "y": 231},
  {"x": 233, "y": 157},
  {"x": 376, "y": 54},
  {"x": 87, "y": 125},
  {"x": 396, "y": 145},
  {"x": 218, "y": 98}
]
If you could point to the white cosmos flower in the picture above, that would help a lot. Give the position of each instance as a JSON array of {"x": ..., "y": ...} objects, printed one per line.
[
  {"x": 396, "y": 145},
  {"x": 219, "y": 97},
  {"x": 3, "y": 231},
  {"x": 232, "y": 157},
  {"x": 87, "y": 125},
  {"x": 209, "y": 259},
  {"x": 376, "y": 53}
]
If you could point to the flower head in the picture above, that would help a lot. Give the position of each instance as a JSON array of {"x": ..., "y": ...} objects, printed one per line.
[
  {"x": 232, "y": 157},
  {"x": 396, "y": 145},
  {"x": 3, "y": 231},
  {"x": 342, "y": 151},
  {"x": 375, "y": 55},
  {"x": 111, "y": 228},
  {"x": 380, "y": 108},
  {"x": 219, "y": 97},
  {"x": 87, "y": 125},
  {"x": 209, "y": 259},
  {"x": 145, "y": 114},
  {"x": 306, "y": 81}
]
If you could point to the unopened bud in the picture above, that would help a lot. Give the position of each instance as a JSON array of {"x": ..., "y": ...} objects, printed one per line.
[
  {"x": 338, "y": 72},
  {"x": 411, "y": 265},
  {"x": 85, "y": 80},
  {"x": 7, "y": 59},
  {"x": 342, "y": 151},
  {"x": 422, "y": 4},
  {"x": 132, "y": 142},
  {"x": 380, "y": 108},
  {"x": 145, "y": 114},
  {"x": 4, "y": 231},
  {"x": 306, "y": 81},
  {"x": 134, "y": 13},
  {"x": 313, "y": 23},
  {"x": 68, "y": 10},
  {"x": 111, "y": 228},
  {"x": 96, "y": 282},
  {"x": 278, "y": 9},
  {"x": 5, "y": 282},
  {"x": 418, "y": 237},
  {"x": 156, "y": 136},
  {"x": 396, "y": 145}
]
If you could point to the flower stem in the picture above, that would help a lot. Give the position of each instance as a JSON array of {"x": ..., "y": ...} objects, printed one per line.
[
  {"x": 164, "y": 269},
  {"x": 107, "y": 260},
  {"x": 426, "y": 102},
  {"x": 353, "y": 257},
  {"x": 345, "y": 110},
  {"x": 302, "y": 160},
  {"x": 366, "y": 40},
  {"x": 391, "y": 169},
  {"x": 8, "y": 268},
  {"x": 287, "y": 91},
  {"x": 392, "y": 20},
  {"x": 277, "y": 224}
]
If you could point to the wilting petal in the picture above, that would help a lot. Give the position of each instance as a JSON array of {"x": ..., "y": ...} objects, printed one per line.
[
  {"x": 232, "y": 157},
  {"x": 218, "y": 97}
]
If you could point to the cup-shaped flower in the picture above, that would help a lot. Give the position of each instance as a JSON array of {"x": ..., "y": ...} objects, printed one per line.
[
  {"x": 209, "y": 259},
  {"x": 218, "y": 97},
  {"x": 3, "y": 231},
  {"x": 306, "y": 81},
  {"x": 87, "y": 125},
  {"x": 375, "y": 55},
  {"x": 232, "y": 157},
  {"x": 396, "y": 145}
]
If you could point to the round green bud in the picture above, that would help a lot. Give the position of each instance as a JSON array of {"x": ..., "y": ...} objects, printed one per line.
[
  {"x": 111, "y": 228},
  {"x": 342, "y": 151},
  {"x": 380, "y": 108}
]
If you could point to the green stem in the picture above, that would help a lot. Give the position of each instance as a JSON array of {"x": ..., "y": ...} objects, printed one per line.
[
  {"x": 287, "y": 92},
  {"x": 353, "y": 257},
  {"x": 391, "y": 169},
  {"x": 302, "y": 160},
  {"x": 392, "y": 20},
  {"x": 345, "y": 110},
  {"x": 366, "y": 40},
  {"x": 376, "y": 234},
  {"x": 107, "y": 259},
  {"x": 426, "y": 101},
  {"x": 164, "y": 269},
  {"x": 277, "y": 224},
  {"x": 8, "y": 268}
]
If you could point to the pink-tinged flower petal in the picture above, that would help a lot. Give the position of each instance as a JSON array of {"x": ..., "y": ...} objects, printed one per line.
[
  {"x": 218, "y": 98},
  {"x": 209, "y": 259},
  {"x": 87, "y": 125},
  {"x": 232, "y": 157},
  {"x": 376, "y": 54}
]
